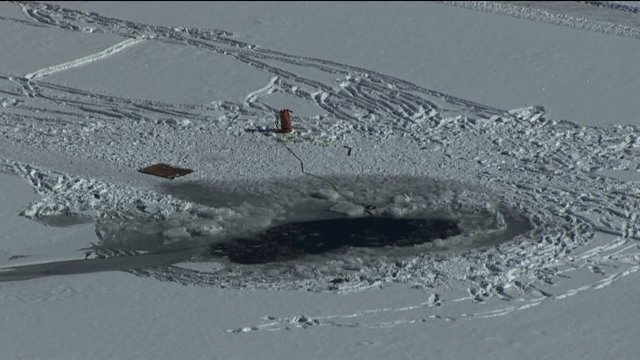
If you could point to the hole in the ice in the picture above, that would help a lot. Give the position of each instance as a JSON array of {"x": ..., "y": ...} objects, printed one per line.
[
  {"x": 63, "y": 220},
  {"x": 293, "y": 240},
  {"x": 285, "y": 230}
]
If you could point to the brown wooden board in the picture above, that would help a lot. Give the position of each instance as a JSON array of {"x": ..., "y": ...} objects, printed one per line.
[{"x": 165, "y": 171}]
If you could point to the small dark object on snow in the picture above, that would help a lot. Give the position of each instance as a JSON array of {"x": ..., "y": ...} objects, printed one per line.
[
  {"x": 165, "y": 171},
  {"x": 285, "y": 121}
]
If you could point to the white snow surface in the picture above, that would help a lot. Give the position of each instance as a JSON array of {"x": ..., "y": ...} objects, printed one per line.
[{"x": 523, "y": 132}]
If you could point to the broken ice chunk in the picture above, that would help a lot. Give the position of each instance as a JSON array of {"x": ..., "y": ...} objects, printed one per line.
[
  {"x": 176, "y": 233},
  {"x": 326, "y": 194},
  {"x": 347, "y": 208}
]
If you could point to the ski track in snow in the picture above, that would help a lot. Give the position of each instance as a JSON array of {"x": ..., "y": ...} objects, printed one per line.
[
  {"x": 544, "y": 168},
  {"x": 110, "y": 51}
]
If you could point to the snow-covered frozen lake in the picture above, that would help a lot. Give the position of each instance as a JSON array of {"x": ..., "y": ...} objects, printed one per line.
[{"x": 462, "y": 180}]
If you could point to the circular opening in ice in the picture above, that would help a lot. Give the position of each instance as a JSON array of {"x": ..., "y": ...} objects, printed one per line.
[
  {"x": 297, "y": 239},
  {"x": 305, "y": 232}
]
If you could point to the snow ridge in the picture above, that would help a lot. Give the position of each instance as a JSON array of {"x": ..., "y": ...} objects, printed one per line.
[
  {"x": 530, "y": 12},
  {"x": 629, "y": 6}
]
